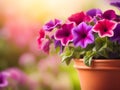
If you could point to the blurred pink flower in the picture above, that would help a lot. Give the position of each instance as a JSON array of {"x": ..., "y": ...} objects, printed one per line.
[
  {"x": 51, "y": 62},
  {"x": 20, "y": 78},
  {"x": 27, "y": 59},
  {"x": 20, "y": 30},
  {"x": 18, "y": 75}
]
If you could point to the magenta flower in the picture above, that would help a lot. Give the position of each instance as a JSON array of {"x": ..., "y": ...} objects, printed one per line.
[
  {"x": 79, "y": 17},
  {"x": 3, "y": 79},
  {"x": 94, "y": 12},
  {"x": 41, "y": 36},
  {"x": 82, "y": 35},
  {"x": 49, "y": 26},
  {"x": 104, "y": 28},
  {"x": 65, "y": 34},
  {"x": 109, "y": 14},
  {"x": 46, "y": 46}
]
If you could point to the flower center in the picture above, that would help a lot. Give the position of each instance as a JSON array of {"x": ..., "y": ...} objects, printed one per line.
[
  {"x": 105, "y": 30},
  {"x": 83, "y": 35},
  {"x": 67, "y": 34}
]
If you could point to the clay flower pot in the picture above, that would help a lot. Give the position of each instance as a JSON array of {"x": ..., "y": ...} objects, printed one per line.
[{"x": 101, "y": 75}]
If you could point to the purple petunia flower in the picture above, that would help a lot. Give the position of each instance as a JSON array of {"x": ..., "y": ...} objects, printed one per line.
[
  {"x": 115, "y": 3},
  {"x": 57, "y": 43},
  {"x": 109, "y": 14},
  {"x": 94, "y": 12},
  {"x": 116, "y": 36},
  {"x": 3, "y": 79},
  {"x": 104, "y": 27},
  {"x": 49, "y": 26},
  {"x": 82, "y": 35},
  {"x": 65, "y": 34}
]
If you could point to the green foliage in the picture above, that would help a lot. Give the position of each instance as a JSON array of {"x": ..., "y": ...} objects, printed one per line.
[
  {"x": 99, "y": 49},
  {"x": 67, "y": 55},
  {"x": 88, "y": 57}
]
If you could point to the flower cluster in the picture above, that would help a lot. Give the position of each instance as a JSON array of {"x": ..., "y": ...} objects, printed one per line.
[{"x": 88, "y": 35}]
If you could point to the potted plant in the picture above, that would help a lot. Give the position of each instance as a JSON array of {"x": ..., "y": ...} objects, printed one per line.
[{"x": 92, "y": 40}]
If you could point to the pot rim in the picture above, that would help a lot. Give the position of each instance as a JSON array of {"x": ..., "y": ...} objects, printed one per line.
[
  {"x": 100, "y": 60},
  {"x": 99, "y": 64}
]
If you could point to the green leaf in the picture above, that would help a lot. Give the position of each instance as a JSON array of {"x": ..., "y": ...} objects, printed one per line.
[
  {"x": 88, "y": 57},
  {"x": 100, "y": 44},
  {"x": 77, "y": 52},
  {"x": 67, "y": 55}
]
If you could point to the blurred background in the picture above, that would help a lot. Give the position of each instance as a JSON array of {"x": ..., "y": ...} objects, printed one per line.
[{"x": 31, "y": 69}]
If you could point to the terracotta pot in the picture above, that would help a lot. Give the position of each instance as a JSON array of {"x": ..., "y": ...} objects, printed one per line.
[{"x": 102, "y": 75}]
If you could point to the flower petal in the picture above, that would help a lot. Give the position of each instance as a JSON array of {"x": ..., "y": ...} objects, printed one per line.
[
  {"x": 94, "y": 12},
  {"x": 82, "y": 35},
  {"x": 49, "y": 26},
  {"x": 79, "y": 17},
  {"x": 104, "y": 27},
  {"x": 109, "y": 14},
  {"x": 64, "y": 34}
]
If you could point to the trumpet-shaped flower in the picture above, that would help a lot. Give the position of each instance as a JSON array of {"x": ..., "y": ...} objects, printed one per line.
[
  {"x": 109, "y": 14},
  {"x": 82, "y": 35},
  {"x": 104, "y": 28},
  {"x": 94, "y": 12},
  {"x": 79, "y": 17},
  {"x": 49, "y": 26},
  {"x": 115, "y": 3},
  {"x": 57, "y": 43},
  {"x": 65, "y": 34},
  {"x": 116, "y": 36}
]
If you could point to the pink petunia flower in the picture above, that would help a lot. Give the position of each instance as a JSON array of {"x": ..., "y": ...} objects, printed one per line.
[
  {"x": 46, "y": 46},
  {"x": 104, "y": 28},
  {"x": 41, "y": 36},
  {"x": 65, "y": 34},
  {"x": 79, "y": 17}
]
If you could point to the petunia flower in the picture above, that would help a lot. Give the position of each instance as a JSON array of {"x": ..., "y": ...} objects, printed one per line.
[
  {"x": 94, "y": 12},
  {"x": 65, "y": 34},
  {"x": 79, "y": 17},
  {"x": 46, "y": 46},
  {"x": 3, "y": 79},
  {"x": 41, "y": 37},
  {"x": 109, "y": 14},
  {"x": 104, "y": 28},
  {"x": 116, "y": 36},
  {"x": 115, "y": 3},
  {"x": 82, "y": 35},
  {"x": 49, "y": 26},
  {"x": 57, "y": 43}
]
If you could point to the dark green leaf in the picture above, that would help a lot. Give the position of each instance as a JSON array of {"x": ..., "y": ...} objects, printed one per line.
[
  {"x": 67, "y": 55},
  {"x": 100, "y": 44},
  {"x": 88, "y": 57}
]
